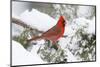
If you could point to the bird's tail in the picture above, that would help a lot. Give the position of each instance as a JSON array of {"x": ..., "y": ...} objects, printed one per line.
[{"x": 35, "y": 38}]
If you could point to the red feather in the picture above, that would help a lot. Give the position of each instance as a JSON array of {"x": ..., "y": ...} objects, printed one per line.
[{"x": 54, "y": 33}]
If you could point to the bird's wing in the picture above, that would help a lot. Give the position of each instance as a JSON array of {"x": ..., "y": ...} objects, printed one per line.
[{"x": 51, "y": 32}]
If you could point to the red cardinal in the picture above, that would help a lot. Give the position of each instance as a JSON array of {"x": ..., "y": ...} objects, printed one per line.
[{"x": 54, "y": 33}]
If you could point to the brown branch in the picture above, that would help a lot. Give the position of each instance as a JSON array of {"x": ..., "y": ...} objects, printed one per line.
[
  {"x": 22, "y": 23},
  {"x": 65, "y": 36},
  {"x": 19, "y": 22}
]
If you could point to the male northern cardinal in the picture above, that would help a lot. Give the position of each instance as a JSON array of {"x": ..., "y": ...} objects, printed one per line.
[{"x": 54, "y": 33}]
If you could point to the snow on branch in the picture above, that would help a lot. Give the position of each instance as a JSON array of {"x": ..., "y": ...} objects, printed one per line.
[{"x": 21, "y": 23}]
